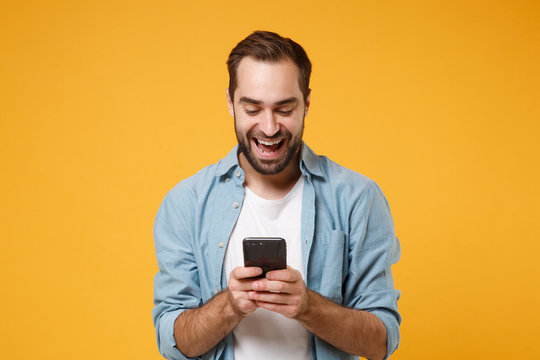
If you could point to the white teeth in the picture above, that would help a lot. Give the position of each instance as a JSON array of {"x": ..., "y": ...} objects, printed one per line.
[{"x": 269, "y": 143}]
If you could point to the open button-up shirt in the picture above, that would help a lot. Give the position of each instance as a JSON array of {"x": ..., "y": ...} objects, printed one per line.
[{"x": 348, "y": 246}]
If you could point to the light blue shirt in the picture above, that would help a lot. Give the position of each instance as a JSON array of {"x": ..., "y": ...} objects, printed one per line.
[{"x": 348, "y": 246}]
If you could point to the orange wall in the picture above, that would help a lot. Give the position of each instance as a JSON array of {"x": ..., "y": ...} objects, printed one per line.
[{"x": 105, "y": 105}]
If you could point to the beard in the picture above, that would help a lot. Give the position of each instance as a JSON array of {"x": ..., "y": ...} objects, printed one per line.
[{"x": 269, "y": 166}]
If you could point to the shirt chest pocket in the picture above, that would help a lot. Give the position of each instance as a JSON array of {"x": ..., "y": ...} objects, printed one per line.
[{"x": 328, "y": 264}]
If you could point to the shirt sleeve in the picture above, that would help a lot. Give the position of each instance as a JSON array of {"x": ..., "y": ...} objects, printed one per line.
[
  {"x": 176, "y": 285},
  {"x": 373, "y": 249}
]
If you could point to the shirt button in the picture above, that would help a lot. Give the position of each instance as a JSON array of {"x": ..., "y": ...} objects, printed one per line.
[
  {"x": 237, "y": 173},
  {"x": 221, "y": 244},
  {"x": 216, "y": 290},
  {"x": 227, "y": 179},
  {"x": 235, "y": 205}
]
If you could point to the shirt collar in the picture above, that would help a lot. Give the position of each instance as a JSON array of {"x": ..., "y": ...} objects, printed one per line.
[
  {"x": 309, "y": 162},
  {"x": 228, "y": 162}
]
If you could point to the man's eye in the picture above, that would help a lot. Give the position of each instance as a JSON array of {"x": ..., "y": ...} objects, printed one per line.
[
  {"x": 284, "y": 112},
  {"x": 251, "y": 112}
]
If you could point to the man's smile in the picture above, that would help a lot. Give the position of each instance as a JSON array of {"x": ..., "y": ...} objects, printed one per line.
[{"x": 268, "y": 148}]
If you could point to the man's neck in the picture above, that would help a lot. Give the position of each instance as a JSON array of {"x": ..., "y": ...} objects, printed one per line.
[{"x": 271, "y": 187}]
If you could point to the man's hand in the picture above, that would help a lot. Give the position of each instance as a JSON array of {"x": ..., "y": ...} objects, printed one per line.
[
  {"x": 353, "y": 331},
  {"x": 282, "y": 291},
  {"x": 240, "y": 283},
  {"x": 196, "y": 331}
]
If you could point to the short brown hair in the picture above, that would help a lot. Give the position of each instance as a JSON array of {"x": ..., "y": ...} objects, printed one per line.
[{"x": 271, "y": 47}]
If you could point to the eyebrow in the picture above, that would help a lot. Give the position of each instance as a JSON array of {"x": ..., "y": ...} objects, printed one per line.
[
  {"x": 244, "y": 99},
  {"x": 291, "y": 100}
]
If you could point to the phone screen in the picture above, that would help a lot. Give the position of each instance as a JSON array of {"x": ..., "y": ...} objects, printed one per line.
[{"x": 268, "y": 253}]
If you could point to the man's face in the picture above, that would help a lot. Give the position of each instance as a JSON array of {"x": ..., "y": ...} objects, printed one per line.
[{"x": 269, "y": 111}]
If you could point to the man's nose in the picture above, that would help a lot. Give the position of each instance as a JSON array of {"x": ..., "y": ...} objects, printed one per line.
[{"x": 269, "y": 124}]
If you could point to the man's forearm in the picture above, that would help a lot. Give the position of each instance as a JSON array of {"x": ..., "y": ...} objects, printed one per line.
[
  {"x": 196, "y": 331},
  {"x": 353, "y": 331}
]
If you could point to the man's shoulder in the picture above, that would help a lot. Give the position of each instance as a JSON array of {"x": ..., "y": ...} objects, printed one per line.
[
  {"x": 195, "y": 183},
  {"x": 343, "y": 178},
  {"x": 330, "y": 172},
  {"x": 346, "y": 188},
  {"x": 340, "y": 172}
]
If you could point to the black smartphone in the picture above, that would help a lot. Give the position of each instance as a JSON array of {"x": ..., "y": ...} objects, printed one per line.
[{"x": 268, "y": 253}]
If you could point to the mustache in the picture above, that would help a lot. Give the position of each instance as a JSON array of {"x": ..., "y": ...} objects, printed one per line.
[{"x": 259, "y": 134}]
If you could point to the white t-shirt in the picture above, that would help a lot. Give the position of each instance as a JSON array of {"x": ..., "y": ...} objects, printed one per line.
[{"x": 265, "y": 334}]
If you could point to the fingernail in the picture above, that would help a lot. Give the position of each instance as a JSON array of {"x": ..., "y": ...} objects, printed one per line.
[{"x": 255, "y": 285}]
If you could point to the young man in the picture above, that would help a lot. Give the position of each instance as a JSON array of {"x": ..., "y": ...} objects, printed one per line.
[{"x": 336, "y": 299}]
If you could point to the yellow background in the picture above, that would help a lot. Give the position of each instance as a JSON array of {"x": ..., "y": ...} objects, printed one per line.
[{"x": 105, "y": 105}]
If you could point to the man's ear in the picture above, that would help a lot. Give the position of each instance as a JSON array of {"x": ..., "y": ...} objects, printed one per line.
[
  {"x": 307, "y": 102},
  {"x": 230, "y": 103}
]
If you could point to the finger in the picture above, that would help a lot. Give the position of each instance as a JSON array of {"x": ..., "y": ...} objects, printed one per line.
[
  {"x": 241, "y": 284},
  {"x": 244, "y": 284},
  {"x": 274, "y": 298},
  {"x": 289, "y": 311},
  {"x": 289, "y": 275},
  {"x": 246, "y": 307},
  {"x": 245, "y": 272},
  {"x": 267, "y": 285},
  {"x": 292, "y": 288},
  {"x": 241, "y": 303}
]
